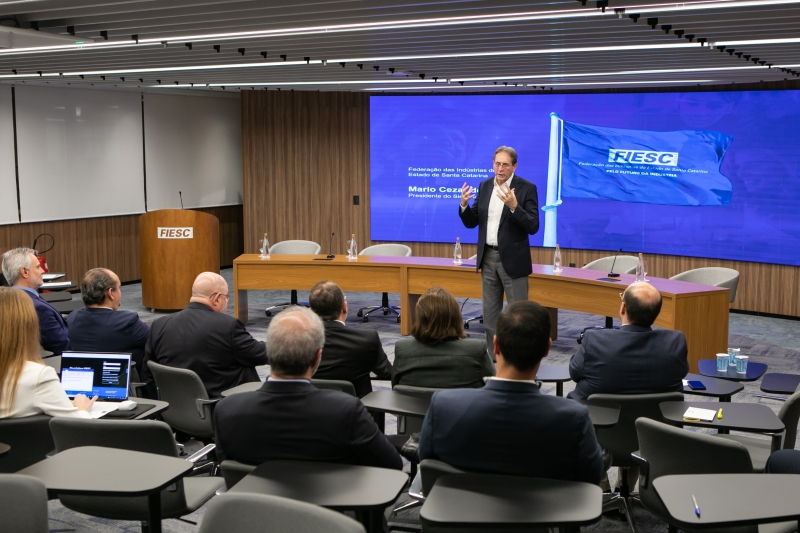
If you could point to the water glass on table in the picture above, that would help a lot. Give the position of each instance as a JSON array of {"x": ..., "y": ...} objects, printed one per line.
[
  {"x": 733, "y": 353},
  {"x": 741, "y": 364},
  {"x": 722, "y": 362}
]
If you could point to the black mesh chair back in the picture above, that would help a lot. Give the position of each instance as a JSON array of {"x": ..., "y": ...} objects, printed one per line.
[
  {"x": 621, "y": 440},
  {"x": 23, "y": 504},
  {"x": 234, "y": 471},
  {"x": 148, "y": 436},
  {"x": 30, "y": 441},
  {"x": 669, "y": 450},
  {"x": 254, "y": 513},
  {"x": 335, "y": 384},
  {"x": 188, "y": 410}
]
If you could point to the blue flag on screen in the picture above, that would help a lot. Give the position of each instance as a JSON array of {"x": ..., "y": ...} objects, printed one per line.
[{"x": 651, "y": 167}]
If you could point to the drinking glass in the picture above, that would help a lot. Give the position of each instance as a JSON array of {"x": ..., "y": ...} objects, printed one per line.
[
  {"x": 741, "y": 364},
  {"x": 733, "y": 353},
  {"x": 722, "y": 362}
]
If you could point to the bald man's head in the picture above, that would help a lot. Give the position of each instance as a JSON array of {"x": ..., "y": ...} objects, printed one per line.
[
  {"x": 642, "y": 303},
  {"x": 212, "y": 290}
]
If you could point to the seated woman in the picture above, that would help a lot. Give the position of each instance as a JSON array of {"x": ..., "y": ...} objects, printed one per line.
[
  {"x": 439, "y": 356},
  {"x": 27, "y": 386}
]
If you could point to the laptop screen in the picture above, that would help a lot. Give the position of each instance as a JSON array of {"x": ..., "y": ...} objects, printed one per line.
[{"x": 105, "y": 375}]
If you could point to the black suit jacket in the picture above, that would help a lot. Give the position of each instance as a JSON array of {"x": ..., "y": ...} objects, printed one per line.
[
  {"x": 351, "y": 354},
  {"x": 294, "y": 420},
  {"x": 214, "y": 345},
  {"x": 629, "y": 360},
  {"x": 96, "y": 329},
  {"x": 541, "y": 435},
  {"x": 512, "y": 236}
]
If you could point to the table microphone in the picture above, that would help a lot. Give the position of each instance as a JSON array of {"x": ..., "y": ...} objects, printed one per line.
[
  {"x": 180, "y": 194},
  {"x": 613, "y": 274},
  {"x": 330, "y": 248}
]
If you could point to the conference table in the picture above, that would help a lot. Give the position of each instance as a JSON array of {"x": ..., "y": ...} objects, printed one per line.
[{"x": 700, "y": 311}]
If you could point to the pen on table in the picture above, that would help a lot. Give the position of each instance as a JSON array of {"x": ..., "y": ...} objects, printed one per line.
[
  {"x": 719, "y": 414},
  {"x": 696, "y": 508}
]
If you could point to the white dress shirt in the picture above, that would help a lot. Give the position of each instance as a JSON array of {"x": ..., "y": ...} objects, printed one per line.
[
  {"x": 495, "y": 212},
  {"x": 40, "y": 392}
]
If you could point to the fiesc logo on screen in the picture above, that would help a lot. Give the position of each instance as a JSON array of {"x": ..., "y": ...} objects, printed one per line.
[
  {"x": 615, "y": 155},
  {"x": 175, "y": 233}
]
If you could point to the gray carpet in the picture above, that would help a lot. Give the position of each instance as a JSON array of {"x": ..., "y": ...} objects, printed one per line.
[{"x": 773, "y": 341}]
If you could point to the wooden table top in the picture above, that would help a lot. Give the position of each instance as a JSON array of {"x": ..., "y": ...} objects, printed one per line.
[{"x": 666, "y": 286}]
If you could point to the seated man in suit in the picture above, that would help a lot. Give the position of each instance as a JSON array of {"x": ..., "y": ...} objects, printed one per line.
[
  {"x": 22, "y": 270},
  {"x": 202, "y": 338},
  {"x": 349, "y": 354},
  {"x": 289, "y": 418},
  {"x": 543, "y": 436},
  {"x": 101, "y": 326},
  {"x": 634, "y": 359}
]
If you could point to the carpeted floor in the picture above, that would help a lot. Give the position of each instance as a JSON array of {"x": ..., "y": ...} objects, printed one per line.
[{"x": 773, "y": 341}]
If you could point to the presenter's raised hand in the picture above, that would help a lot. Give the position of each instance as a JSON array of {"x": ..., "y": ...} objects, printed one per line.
[
  {"x": 466, "y": 194},
  {"x": 507, "y": 196}
]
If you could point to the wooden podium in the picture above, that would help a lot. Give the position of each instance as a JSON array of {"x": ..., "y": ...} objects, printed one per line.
[{"x": 175, "y": 246}]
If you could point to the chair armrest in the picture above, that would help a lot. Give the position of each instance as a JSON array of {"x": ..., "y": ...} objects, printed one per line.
[
  {"x": 644, "y": 468},
  {"x": 201, "y": 453},
  {"x": 202, "y": 403}
]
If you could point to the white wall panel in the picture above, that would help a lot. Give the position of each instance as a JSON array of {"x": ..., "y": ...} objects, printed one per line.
[
  {"x": 193, "y": 144},
  {"x": 80, "y": 153},
  {"x": 8, "y": 178}
]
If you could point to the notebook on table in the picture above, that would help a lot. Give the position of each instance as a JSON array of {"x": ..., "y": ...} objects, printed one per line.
[{"x": 105, "y": 375}]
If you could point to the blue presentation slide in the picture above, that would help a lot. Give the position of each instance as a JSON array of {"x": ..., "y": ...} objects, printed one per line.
[{"x": 703, "y": 174}]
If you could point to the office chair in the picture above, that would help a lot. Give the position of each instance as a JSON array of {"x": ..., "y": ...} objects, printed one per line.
[
  {"x": 716, "y": 276},
  {"x": 30, "y": 441},
  {"x": 335, "y": 384},
  {"x": 760, "y": 449},
  {"x": 190, "y": 409},
  {"x": 621, "y": 440},
  {"x": 291, "y": 247},
  {"x": 473, "y": 318},
  {"x": 393, "y": 250},
  {"x": 149, "y": 436},
  {"x": 23, "y": 504},
  {"x": 666, "y": 450},
  {"x": 254, "y": 513}
]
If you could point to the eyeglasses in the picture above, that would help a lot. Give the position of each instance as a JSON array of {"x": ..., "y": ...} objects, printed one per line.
[
  {"x": 504, "y": 166},
  {"x": 219, "y": 294}
]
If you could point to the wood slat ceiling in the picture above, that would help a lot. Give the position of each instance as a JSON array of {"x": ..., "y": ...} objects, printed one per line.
[{"x": 506, "y": 46}]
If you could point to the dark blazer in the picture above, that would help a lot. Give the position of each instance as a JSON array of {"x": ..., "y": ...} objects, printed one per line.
[
  {"x": 351, "y": 354},
  {"x": 512, "y": 236},
  {"x": 541, "y": 435},
  {"x": 52, "y": 326},
  {"x": 96, "y": 329},
  {"x": 214, "y": 345},
  {"x": 294, "y": 420},
  {"x": 461, "y": 363},
  {"x": 629, "y": 360}
]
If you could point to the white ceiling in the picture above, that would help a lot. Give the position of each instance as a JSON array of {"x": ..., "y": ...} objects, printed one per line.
[{"x": 475, "y": 44}]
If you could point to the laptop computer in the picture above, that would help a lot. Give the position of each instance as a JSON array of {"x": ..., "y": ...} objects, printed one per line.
[{"x": 105, "y": 375}]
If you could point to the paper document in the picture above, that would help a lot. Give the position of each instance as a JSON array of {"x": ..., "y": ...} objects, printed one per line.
[
  {"x": 101, "y": 408},
  {"x": 695, "y": 413}
]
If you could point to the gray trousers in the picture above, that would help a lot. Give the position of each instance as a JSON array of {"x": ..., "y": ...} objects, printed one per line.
[{"x": 495, "y": 283}]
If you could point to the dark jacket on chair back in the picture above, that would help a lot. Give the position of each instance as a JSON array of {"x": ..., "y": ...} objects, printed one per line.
[
  {"x": 214, "y": 345},
  {"x": 630, "y": 360},
  {"x": 296, "y": 421}
]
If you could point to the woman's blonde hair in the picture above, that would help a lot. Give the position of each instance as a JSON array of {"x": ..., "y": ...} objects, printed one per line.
[{"x": 19, "y": 340}]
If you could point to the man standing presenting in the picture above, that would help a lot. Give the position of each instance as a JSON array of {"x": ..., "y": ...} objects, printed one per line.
[{"x": 506, "y": 210}]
